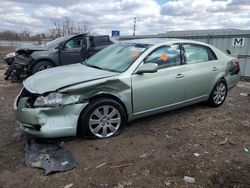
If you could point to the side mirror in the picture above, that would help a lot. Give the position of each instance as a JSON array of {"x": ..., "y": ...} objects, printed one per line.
[
  {"x": 228, "y": 52},
  {"x": 147, "y": 68},
  {"x": 61, "y": 46}
]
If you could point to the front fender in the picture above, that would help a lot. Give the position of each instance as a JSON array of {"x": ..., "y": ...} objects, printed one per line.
[
  {"x": 52, "y": 56},
  {"x": 120, "y": 89}
]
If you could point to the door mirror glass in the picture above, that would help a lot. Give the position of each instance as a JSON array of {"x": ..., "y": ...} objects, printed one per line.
[{"x": 147, "y": 68}]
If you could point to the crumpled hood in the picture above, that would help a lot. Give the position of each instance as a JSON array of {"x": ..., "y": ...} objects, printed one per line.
[
  {"x": 55, "y": 78},
  {"x": 31, "y": 47}
]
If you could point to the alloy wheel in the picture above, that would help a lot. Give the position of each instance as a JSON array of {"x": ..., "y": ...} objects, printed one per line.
[
  {"x": 219, "y": 94},
  {"x": 104, "y": 121},
  {"x": 43, "y": 67}
]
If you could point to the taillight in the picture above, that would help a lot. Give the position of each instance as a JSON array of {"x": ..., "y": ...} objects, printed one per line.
[{"x": 237, "y": 63}]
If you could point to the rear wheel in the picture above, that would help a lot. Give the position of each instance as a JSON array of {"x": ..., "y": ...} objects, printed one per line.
[
  {"x": 41, "y": 65},
  {"x": 218, "y": 94},
  {"x": 103, "y": 118}
]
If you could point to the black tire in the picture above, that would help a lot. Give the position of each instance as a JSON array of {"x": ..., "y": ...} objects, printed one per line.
[
  {"x": 86, "y": 129},
  {"x": 212, "y": 101},
  {"x": 41, "y": 65}
]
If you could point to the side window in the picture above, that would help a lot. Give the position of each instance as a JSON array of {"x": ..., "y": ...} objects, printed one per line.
[
  {"x": 101, "y": 41},
  {"x": 76, "y": 42},
  {"x": 195, "y": 53},
  {"x": 165, "y": 56},
  {"x": 211, "y": 54}
]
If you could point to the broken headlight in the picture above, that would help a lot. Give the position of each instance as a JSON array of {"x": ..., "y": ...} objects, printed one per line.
[
  {"x": 10, "y": 55},
  {"x": 51, "y": 100}
]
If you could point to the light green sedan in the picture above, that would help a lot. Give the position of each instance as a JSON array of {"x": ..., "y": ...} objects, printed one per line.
[{"x": 126, "y": 81}]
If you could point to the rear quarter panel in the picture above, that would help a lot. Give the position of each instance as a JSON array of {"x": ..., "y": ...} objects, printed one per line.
[{"x": 227, "y": 69}]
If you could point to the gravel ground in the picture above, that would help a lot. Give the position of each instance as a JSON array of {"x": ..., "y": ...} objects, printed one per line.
[{"x": 159, "y": 148}]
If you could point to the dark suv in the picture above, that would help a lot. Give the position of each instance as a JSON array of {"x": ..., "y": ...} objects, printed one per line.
[{"x": 30, "y": 59}]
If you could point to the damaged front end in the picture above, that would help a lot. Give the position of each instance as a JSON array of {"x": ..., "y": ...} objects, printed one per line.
[
  {"x": 17, "y": 65},
  {"x": 49, "y": 115}
]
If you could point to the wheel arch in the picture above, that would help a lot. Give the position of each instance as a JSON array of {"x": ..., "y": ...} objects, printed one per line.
[
  {"x": 30, "y": 68},
  {"x": 96, "y": 97},
  {"x": 44, "y": 59},
  {"x": 218, "y": 78}
]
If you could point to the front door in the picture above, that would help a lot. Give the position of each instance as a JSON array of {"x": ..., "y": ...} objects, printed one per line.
[
  {"x": 72, "y": 51},
  {"x": 165, "y": 88}
]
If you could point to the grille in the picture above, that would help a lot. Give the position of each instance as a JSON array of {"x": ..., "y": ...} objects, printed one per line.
[{"x": 31, "y": 97}]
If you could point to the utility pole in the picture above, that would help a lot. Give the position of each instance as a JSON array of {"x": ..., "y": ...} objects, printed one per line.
[{"x": 134, "y": 28}]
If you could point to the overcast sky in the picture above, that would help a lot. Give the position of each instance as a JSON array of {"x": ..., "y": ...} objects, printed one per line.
[{"x": 153, "y": 16}]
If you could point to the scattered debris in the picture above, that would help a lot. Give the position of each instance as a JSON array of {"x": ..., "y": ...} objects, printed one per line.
[
  {"x": 196, "y": 154},
  {"x": 101, "y": 165},
  {"x": 143, "y": 155},
  {"x": 64, "y": 163},
  {"x": 189, "y": 179},
  {"x": 2, "y": 98},
  {"x": 206, "y": 152},
  {"x": 69, "y": 185},
  {"x": 125, "y": 183},
  {"x": 232, "y": 143},
  {"x": 18, "y": 134},
  {"x": 88, "y": 167},
  {"x": 49, "y": 156},
  {"x": 225, "y": 141},
  {"x": 146, "y": 172},
  {"x": 245, "y": 149},
  {"x": 244, "y": 94},
  {"x": 122, "y": 165},
  {"x": 120, "y": 185},
  {"x": 167, "y": 183}
]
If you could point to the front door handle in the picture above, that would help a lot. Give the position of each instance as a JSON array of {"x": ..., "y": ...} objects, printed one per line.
[
  {"x": 179, "y": 76},
  {"x": 215, "y": 69}
]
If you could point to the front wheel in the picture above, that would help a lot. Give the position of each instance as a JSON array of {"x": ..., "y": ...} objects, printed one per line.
[
  {"x": 103, "y": 118},
  {"x": 41, "y": 65},
  {"x": 219, "y": 94}
]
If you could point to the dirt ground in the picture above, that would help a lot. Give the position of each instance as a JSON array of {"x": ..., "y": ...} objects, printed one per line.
[
  {"x": 3, "y": 52},
  {"x": 160, "y": 148}
]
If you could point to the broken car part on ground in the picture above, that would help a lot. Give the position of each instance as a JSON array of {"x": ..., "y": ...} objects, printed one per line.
[{"x": 49, "y": 156}]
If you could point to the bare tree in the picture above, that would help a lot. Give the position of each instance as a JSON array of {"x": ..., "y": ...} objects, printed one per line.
[
  {"x": 57, "y": 27},
  {"x": 83, "y": 27},
  {"x": 66, "y": 26}
]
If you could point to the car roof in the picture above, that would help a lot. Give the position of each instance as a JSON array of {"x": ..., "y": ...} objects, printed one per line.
[{"x": 154, "y": 41}]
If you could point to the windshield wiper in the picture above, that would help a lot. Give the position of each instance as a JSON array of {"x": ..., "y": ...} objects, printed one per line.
[{"x": 94, "y": 66}]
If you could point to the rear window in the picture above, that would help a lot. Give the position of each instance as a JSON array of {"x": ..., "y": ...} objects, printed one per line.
[
  {"x": 100, "y": 41},
  {"x": 195, "y": 53}
]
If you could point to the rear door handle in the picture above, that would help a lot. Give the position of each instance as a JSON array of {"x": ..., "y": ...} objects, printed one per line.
[
  {"x": 179, "y": 76},
  {"x": 215, "y": 69}
]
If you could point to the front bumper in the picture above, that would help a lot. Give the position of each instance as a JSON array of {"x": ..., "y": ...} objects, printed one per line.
[{"x": 48, "y": 122}]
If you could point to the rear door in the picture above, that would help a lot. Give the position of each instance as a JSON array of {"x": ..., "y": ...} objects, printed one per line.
[
  {"x": 201, "y": 69},
  {"x": 164, "y": 88},
  {"x": 72, "y": 50}
]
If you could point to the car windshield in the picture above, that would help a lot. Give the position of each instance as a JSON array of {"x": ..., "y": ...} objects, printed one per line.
[
  {"x": 117, "y": 57},
  {"x": 54, "y": 43}
]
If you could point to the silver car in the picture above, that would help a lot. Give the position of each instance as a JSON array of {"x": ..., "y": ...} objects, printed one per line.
[{"x": 125, "y": 81}]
